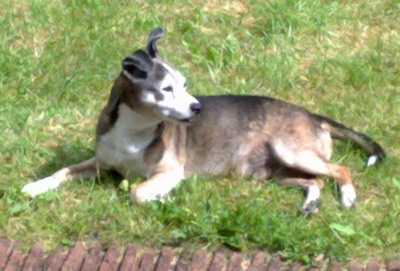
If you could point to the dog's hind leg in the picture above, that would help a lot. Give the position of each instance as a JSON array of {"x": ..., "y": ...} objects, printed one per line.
[
  {"x": 85, "y": 169},
  {"x": 310, "y": 183},
  {"x": 311, "y": 162}
]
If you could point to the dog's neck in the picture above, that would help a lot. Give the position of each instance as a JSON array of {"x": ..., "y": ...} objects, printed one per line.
[
  {"x": 135, "y": 122},
  {"x": 124, "y": 145},
  {"x": 133, "y": 132}
]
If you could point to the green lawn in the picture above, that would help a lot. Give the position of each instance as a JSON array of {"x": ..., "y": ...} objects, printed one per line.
[{"x": 338, "y": 58}]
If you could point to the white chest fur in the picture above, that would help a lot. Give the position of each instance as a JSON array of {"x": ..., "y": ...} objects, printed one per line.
[{"x": 122, "y": 148}]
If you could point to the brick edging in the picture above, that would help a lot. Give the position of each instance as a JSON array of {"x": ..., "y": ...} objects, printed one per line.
[{"x": 131, "y": 257}]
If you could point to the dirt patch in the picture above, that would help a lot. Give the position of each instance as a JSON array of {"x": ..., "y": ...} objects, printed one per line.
[{"x": 132, "y": 257}]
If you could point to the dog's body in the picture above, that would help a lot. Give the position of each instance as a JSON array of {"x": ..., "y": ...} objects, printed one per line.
[{"x": 151, "y": 128}]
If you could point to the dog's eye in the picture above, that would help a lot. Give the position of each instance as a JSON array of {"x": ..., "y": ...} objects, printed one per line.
[
  {"x": 184, "y": 85},
  {"x": 169, "y": 89}
]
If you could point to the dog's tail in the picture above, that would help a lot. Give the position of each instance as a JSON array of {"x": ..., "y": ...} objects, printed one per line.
[{"x": 339, "y": 131}]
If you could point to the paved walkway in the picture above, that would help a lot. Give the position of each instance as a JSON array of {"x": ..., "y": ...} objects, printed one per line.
[{"x": 132, "y": 257}]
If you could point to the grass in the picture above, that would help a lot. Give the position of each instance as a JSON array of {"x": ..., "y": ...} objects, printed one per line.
[{"x": 341, "y": 59}]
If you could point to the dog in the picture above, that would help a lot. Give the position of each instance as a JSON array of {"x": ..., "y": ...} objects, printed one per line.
[{"x": 152, "y": 128}]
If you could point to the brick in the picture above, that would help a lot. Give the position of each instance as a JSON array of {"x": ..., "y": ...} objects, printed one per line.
[
  {"x": 75, "y": 258},
  {"x": 56, "y": 260},
  {"x": 92, "y": 259},
  {"x": 258, "y": 262},
  {"x": 200, "y": 261},
  {"x": 147, "y": 262},
  {"x": 15, "y": 261},
  {"x": 274, "y": 264},
  {"x": 393, "y": 265},
  {"x": 218, "y": 262},
  {"x": 34, "y": 260},
  {"x": 295, "y": 266},
  {"x": 183, "y": 261},
  {"x": 335, "y": 265},
  {"x": 129, "y": 259},
  {"x": 5, "y": 252},
  {"x": 235, "y": 263},
  {"x": 78, "y": 258},
  {"x": 109, "y": 262},
  {"x": 355, "y": 265},
  {"x": 164, "y": 261},
  {"x": 373, "y": 265}
]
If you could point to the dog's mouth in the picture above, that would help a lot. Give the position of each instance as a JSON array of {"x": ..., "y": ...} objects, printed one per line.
[{"x": 187, "y": 121}]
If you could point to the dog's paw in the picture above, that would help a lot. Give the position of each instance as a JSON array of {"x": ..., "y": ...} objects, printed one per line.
[
  {"x": 310, "y": 207},
  {"x": 372, "y": 160},
  {"x": 41, "y": 186},
  {"x": 144, "y": 194},
  {"x": 312, "y": 201},
  {"x": 348, "y": 195}
]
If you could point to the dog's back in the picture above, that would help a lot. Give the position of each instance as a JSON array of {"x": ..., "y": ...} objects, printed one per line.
[{"x": 233, "y": 135}]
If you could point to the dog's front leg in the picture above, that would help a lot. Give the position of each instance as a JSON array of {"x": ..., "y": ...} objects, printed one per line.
[
  {"x": 157, "y": 187},
  {"x": 86, "y": 169}
]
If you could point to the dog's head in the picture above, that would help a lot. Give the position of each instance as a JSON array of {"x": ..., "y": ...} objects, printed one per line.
[{"x": 155, "y": 86}]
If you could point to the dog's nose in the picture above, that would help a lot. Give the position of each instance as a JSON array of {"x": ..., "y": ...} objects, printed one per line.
[{"x": 195, "y": 107}]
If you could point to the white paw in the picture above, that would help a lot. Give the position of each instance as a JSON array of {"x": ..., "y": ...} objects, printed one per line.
[
  {"x": 372, "y": 160},
  {"x": 41, "y": 186},
  {"x": 348, "y": 195},
  {"x": 312, "y": 201},
  {"x": 146, "y": 194},
  {"x": 313, "y": 194}
]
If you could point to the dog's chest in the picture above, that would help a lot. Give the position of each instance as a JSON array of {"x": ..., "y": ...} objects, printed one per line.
[{"x": 124, "y": 146}]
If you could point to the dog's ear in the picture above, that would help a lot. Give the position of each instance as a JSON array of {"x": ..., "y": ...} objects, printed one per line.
[
  {"x": 151, "y": 47},
  {"x": 138, "y": 64}
]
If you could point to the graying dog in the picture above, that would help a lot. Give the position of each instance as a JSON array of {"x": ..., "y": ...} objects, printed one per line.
[{"x": 152, "y": 128}]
